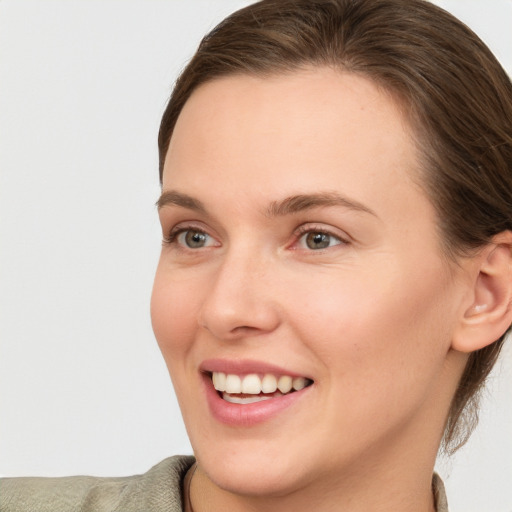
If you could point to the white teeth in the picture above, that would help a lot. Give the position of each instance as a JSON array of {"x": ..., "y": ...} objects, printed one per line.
[
  {"x": 219, "y": 381},
  {"x": 233, "y": 384},
  {"x": 284, "y": 384},
  {"x": 245, "y": 399},
  {"x": 252, "y": 384},
  {"x": 268, "y": 383},
  {"x": 299, "y": 383}
]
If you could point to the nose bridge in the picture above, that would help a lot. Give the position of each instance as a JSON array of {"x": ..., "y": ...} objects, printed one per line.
[{"x": 239, "y": 299}]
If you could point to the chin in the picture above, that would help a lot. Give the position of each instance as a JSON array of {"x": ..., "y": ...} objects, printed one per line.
[
  {"x": 266, "y": 481},
  {"x": 251, "y": 472}
]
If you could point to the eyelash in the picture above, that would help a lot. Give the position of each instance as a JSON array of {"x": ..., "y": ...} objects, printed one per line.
[
  {"x": 308, "y": 228},
  {"x": 171, "y": 239}
]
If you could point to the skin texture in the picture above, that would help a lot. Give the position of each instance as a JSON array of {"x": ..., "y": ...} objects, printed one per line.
[{"x": 370, "y": 319}]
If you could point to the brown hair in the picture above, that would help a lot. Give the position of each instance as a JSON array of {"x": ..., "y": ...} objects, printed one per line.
[{"x": 454, "y": 92}]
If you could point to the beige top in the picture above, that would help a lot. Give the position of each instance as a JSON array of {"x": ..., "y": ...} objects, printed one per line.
[{"x": 158, "y": 490}]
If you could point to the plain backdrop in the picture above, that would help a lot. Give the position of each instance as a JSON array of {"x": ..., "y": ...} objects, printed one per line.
[{"x": 83, "y": 388}]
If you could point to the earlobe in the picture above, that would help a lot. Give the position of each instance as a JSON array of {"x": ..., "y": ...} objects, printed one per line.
[{"x": 490, "y": 314}]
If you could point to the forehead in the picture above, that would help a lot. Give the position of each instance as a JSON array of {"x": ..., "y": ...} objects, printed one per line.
[{"x": 315, "y": 128}]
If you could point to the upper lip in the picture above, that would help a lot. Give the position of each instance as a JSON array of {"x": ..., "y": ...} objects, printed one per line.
[{"x": 245, "y": 367}]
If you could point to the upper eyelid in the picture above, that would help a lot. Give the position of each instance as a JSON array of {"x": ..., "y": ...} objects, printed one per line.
[
  {"x": 322, "y": 228},
  {"x": 173, "y": 215},
  {"x": 186, "y": 226},
  {"x": 178, "y": 229},
  {"x": 172, "y": 218},
  {"x": 182, "y": 227},
  {"x": 170, "y": 225}
]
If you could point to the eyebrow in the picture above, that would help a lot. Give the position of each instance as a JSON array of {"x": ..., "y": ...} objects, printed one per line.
[
  {"x": 287, "y": 206},
  {"x": 302, "y": 202},
  {"x": 179, "y": 199}
]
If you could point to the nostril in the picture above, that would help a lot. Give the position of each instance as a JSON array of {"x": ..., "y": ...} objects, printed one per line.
[
  {"x": 244, "y": 329},
  {"x": 235, "y": 307}
]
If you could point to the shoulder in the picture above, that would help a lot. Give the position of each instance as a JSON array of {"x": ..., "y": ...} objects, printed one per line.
[
  {"x": 157, "y": 490},
  {"x": 439, "y": 494}
]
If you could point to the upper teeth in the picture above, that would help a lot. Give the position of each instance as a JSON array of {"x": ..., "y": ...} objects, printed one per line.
[{"x": 252, "y": 384}]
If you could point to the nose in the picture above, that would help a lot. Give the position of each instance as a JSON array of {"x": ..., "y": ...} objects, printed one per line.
[{"x": 241, "y": 299}]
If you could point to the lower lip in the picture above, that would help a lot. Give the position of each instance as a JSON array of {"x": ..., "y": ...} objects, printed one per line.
[{"x": 246, "y": 415}]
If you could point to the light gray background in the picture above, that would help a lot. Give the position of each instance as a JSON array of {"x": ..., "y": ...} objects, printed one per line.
[{"x": 83, "y": 388}]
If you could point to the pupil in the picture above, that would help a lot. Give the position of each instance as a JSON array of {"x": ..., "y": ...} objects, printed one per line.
[
  {"x": 317, "y": 240},
  {"x": 195, "y": 239}
]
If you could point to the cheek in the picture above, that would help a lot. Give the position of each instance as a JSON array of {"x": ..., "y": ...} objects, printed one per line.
[
  {"x": 379, "y": 331},
  {"x": 174, "y": 306},
  {"x": 173, "y": 313}
]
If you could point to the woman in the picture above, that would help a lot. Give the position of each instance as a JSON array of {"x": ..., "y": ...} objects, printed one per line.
[{"x": 335, "y": 280}]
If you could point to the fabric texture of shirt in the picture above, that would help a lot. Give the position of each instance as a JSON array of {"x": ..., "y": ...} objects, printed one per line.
[{"x": 158, "y": 490}]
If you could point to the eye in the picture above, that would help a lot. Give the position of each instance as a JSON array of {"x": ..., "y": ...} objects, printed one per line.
[
  {"x": 194, "y": 239},
  {"x": 190, "y": 238},
  {"x": 316, "y": 240}
]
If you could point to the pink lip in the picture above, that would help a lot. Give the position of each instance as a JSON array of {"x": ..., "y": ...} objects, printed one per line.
[{"x": 246, "y": 415}]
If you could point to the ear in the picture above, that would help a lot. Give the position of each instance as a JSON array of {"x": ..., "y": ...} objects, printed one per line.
[{"x": 490, "y": 313}]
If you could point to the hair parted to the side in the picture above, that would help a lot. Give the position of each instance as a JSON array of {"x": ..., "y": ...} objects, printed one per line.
[{"x": 454, "y": 93}]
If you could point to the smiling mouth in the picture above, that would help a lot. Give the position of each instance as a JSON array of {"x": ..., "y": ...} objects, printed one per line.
[{"x": 251, "y": 388}]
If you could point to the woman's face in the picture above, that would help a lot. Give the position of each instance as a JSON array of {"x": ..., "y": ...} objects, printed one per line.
[{"x": 299, "y": 244}]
